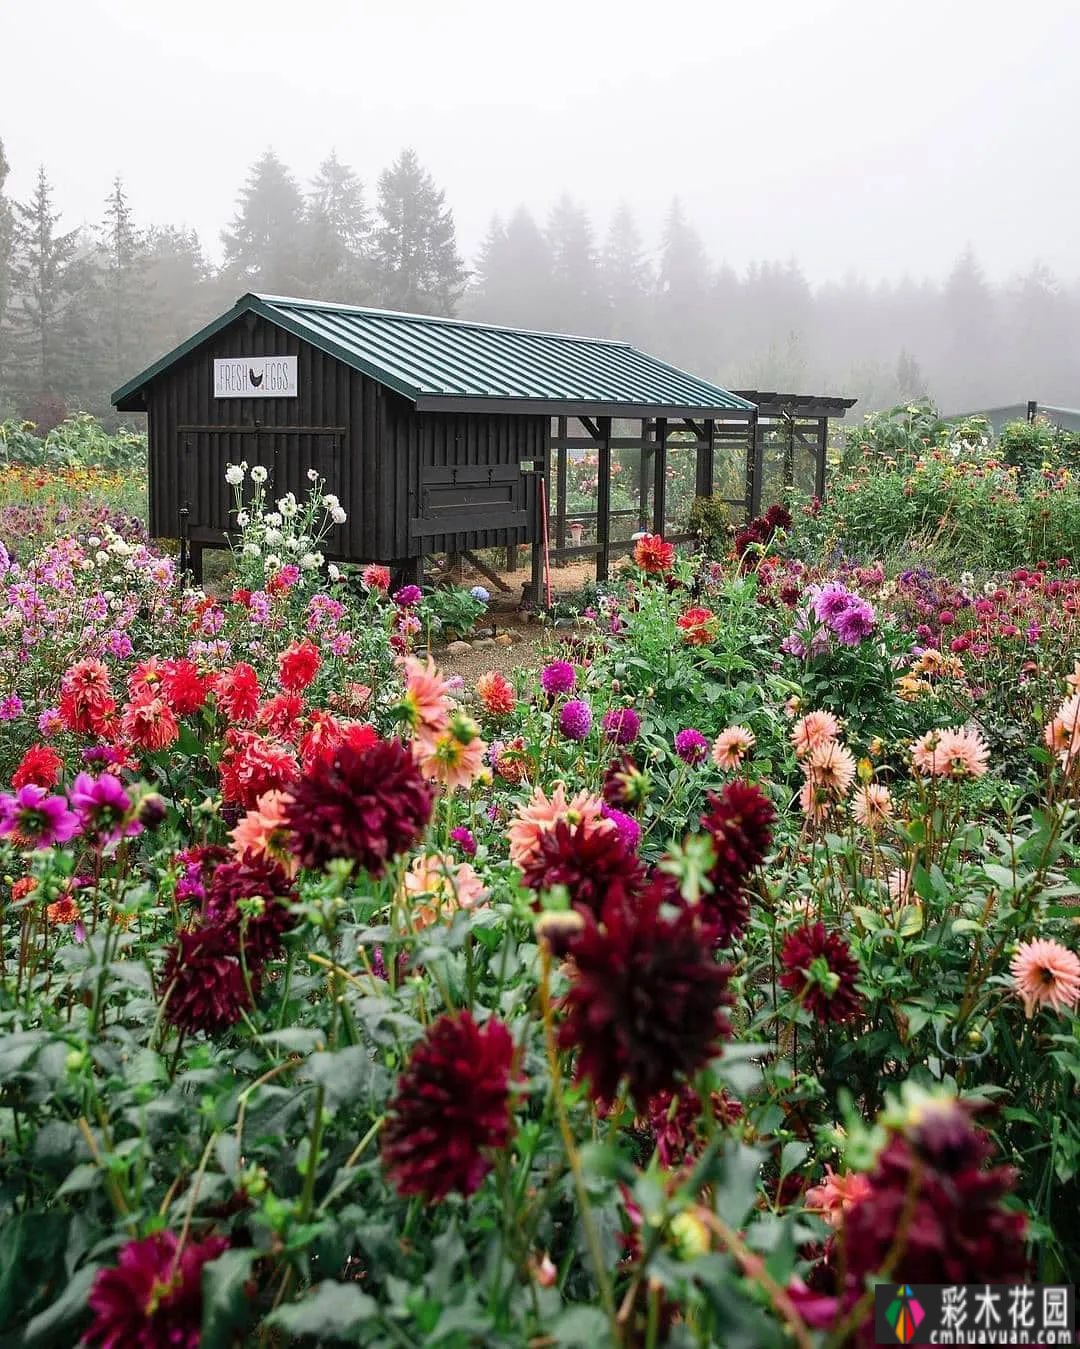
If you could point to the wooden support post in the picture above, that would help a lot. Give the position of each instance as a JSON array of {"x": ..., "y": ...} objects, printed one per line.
[
  {"x": 560, "y": 470},
  {"x": 705, "y": 462},
  {"x": 753, "y": 495},
  {"x": 484, "y": 570},
  {"x": 789, "y": 451},
  {"x": 535, "y": 589},
  {"x": 643, "y": 474},
  {"x": 822, "y": 458},
  {"x": 197, "y": 563},
  {"x": 603, "y": 501},
  {"x": 511, "y": 560},
  {"x": 659, "y": 505}
]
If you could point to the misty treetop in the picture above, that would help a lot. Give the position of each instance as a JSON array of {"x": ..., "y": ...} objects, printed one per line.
[{"x": 82, "y": 309}]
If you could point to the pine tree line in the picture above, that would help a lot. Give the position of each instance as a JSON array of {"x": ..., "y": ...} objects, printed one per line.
[{"x": 82, "y": 310}]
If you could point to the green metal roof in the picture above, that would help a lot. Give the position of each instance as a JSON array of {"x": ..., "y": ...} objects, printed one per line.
[{"x": 441, "y": 364}]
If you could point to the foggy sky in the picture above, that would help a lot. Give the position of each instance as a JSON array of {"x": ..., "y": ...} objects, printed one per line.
[{"x": 871, "y": 136}]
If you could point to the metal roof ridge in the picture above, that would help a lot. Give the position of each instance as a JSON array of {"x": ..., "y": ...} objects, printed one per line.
[{"x": 373, "y": 311}]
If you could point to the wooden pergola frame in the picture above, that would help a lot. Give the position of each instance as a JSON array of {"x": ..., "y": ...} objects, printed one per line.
[{"x": 802, "y": 419}]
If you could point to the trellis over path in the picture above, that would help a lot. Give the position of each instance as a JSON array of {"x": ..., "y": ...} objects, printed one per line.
[{"x": 778, "y": 441}]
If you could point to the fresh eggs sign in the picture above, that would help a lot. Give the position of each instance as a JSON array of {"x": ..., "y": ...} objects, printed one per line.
[{"x": 255, "y": 377}]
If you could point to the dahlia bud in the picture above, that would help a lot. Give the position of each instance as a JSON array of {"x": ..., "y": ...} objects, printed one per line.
[
  {"x": 689, "y": 1236},
  {"x": 152, "y": 811},
  {"x": 558, "y": 928},
  {"x": 544, "y": 1270}
]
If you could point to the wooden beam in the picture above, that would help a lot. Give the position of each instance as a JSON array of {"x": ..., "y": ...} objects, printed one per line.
[
  {"x": 753, "y": 447},
  {"x": 659, "y": 504},
  {"x": 591, "y": 427},
  {"x": 603, "y": 502},
  {"x": 822, "y": 458},
  {"x": 691, "y": 425},
  {"x": 485, "y": 571},
  {"x": 643, "y": 475}
]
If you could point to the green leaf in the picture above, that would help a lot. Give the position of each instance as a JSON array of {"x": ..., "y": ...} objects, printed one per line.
[
  {"x": 225, "y": 1303},
  {"x": 584, "y": 1326},
  {"x": 332, "y": 1311},
  {"x": 54, "y": 1327},
  {"x": 344, "y": 1075}
]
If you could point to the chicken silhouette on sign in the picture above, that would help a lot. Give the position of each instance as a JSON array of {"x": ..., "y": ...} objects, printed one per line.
[{"x": 255, "y": 377}]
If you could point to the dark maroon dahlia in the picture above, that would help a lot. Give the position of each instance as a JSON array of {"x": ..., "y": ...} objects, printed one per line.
[
  {"x": 820, "y": 972},
  {"x": 646, "y": 1001},
  {"x": 625, "y": 784},
  {"x": 252, "y": 897},
  {"x": 739, "y": 822},
  {"x": 367, "y": 804},
  {"x": 677, "y": 1121},
  {"x": 955, "y": 1227},
  {"x": 204, "y": 982},
  {"x": 452, "y": 1106},
  {"x": 152, "y": 1297},
  {"x": 593, "y": 864}
]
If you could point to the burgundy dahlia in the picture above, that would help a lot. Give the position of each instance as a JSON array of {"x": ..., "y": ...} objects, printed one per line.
[
  {"x": 451, "y": 1107},
  {"x": 820, "y": 972},
  {"x": 625, "y": 784},
  {"x": 152, "y": 1297},
  {"x": 739, "y": 822},
  {"x": 934, "y": 1185},
  {"x": 252, "y": 897},
  {"x": 204, "y": 981},
  {"x": 676, "y": 1120},
  {"x": 593, "y": 864},
  {"x": 646, "y": 1003},
  {"x": 365, "y": 804}
]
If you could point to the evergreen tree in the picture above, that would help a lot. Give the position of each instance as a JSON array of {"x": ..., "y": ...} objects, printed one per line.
[
  {"x": 910, "y": 382},
  {"x": 264, "y": 246},
  {"x": 968, "y": 331},
  {"x": 51, "y": 328},
  {"x": 626, "y": 278},
  {"x": 338, "y": 230},
  {"x": 127, "y": 304},
  {"x": 513, "y": 274},
  {"x": 7, "y": 239},
  {"x": 575, "y": 288},
  {"x": 187, "y": 292},
  {"x": 415, "y": 262},
  {"x": 684, "y": 315}
]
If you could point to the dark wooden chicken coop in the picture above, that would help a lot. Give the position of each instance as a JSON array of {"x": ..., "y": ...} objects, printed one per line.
[{"x": 437, "y": 435}]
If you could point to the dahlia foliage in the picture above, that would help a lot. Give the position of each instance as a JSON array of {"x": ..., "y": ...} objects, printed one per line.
[{"x": 673, "y": 991}]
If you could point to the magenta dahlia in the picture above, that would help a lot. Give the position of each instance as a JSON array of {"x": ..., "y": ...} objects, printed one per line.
[
  {"x": 366, "y": 804},
  {"x": 203, "y": 980},
  {"x": 451, "y": 1108},
  {"x": 646, "y": 1002},
  {"x": 557, "y": 677},
  {"x": 622, "y": 725},
  {"x": 152, "y": 1297},
  {"x": 575, "y": 719},
  {"x": 820, "y": 972},
  {"x": 691, "y": 746},
  {"x": 593, "y": 864}
]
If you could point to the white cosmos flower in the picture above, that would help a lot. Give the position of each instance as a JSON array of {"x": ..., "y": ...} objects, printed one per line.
[
  {"x": 311, "y": 561},
  {"x": 94, "y": 541},
  {"x": 273, "y": 562},
  {"x": 293, "y": 544},
  {"x": 330, "y": 501},
  {"x": 313, "y": 475},
  {"x": 273, "y": 519},
  {"x": 287, "y": 506},
  {"x": 259, "y": 474},
  {"x": 338, "y": 516},
  {"x": 273, "y": 536},
  {"x": 334, "y": 572},
  {"x": 252, "y": 550},
  {"x": 234, "y": 474},
  {"x": 243, "y": 519},
  {"x": 102, "y": 559}
]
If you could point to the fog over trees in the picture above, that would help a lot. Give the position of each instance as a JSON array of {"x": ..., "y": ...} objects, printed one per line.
[{"x": 82, "y": 309}]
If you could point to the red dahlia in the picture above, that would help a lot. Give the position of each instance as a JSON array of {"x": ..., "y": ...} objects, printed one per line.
[
  {"x": 252, "y": 897},
  {"x": 204, "y": 982},
  {"x": 253, "y": 765},
  {"x": 366, "y": 804},
  {"x": 452, "y": 1105},
  {"x": 647, "y": 998},
  {"x": 298, "y": 665},
  {"x": 237, "y": 692},
  {"x": 40, "y": 765},
  {"x": 280, "y": 716},
  {"x": 184, "y": 688},
  {"x": 152, "y": 1297},
  {"x": 653, "y": 555},
  {"x": 593, "y": 864},
  {"x": 820, "y": 971},
  {"x": 677, "y": 1119}
]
